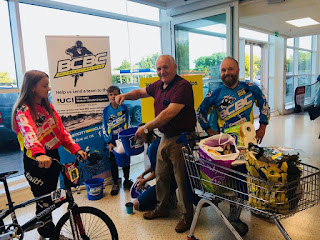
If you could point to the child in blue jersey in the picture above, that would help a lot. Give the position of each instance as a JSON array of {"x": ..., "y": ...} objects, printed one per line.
[{"x": 115, "y": 119}]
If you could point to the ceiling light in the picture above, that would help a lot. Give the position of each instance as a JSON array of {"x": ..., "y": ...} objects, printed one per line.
[{"x": 302, "y": 22}]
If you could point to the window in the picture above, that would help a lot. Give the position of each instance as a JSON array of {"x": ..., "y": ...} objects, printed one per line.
[
  {"x": 300, "y": 52},
  {"x": 253, "y": 61},
  {"x": 144, "y": 51},
  {"x": 193, "y": 58},
  {"x": 289, "y": 61},
  {"x": 118, "y": 6},
  {"x": 7, "y": 67},
  {"x": 305, "y": 42},
  {"x": 290, "y": 42},
  {"x": 304, "y": 61},
  {"x": 129, "y": 46}
]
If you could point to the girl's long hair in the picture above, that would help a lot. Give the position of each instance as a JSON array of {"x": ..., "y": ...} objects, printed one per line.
[{"x": 26, "y": 96}]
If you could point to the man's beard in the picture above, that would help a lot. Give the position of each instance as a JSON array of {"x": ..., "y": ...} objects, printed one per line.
[{"x": 230, "y": 82}]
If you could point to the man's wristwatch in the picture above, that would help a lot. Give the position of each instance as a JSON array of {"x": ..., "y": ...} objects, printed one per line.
[{"x": 145, "y": 130}]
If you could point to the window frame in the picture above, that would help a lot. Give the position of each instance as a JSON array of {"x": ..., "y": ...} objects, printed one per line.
[{"x": 295, "y": 73}]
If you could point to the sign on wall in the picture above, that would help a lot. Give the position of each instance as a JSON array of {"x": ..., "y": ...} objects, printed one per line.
[
  {"x": 80, "y": 73},
  {"x": 147, "y": 104}
]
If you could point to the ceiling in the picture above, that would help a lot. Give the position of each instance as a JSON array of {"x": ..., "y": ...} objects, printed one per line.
[
  {"x": 259, "y": 14},
  {"x": 168, "y": 4}
]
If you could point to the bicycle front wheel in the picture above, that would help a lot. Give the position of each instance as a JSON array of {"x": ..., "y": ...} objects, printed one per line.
[{"x": 91, "y": 223}]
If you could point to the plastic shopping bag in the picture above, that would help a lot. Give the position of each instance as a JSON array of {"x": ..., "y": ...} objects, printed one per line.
[{"x": 221, "y": 150}]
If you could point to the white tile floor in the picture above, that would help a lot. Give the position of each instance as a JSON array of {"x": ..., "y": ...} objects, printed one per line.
[{"x": 295, "y": 131}]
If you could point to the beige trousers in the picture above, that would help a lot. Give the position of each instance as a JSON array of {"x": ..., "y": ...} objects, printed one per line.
[{"x": 170, "y": 158}]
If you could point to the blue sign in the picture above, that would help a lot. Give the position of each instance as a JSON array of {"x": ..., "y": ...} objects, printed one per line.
[{"x": 90, "y": 140}]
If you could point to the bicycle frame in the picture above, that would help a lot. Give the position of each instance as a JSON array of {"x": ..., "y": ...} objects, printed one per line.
[{"x": 36, "y": 222}]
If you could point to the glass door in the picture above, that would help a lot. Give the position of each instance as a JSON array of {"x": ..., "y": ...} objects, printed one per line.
[
  {"x": 201, "y": 45},
  {"x": 201, "y": 41},
  {"x": 254, "y": 68}
]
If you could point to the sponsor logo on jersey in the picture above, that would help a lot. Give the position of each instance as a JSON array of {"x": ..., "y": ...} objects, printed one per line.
[
  {"x": 34, "y": 180},
  {"x": 236, "y": 107},
  {"x": 241, "y": 92}
]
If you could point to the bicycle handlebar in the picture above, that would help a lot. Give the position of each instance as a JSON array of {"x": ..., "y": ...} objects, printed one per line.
[{"x": 79, "y": 158}]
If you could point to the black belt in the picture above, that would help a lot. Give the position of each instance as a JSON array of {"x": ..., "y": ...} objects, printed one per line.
[{"x": 171, "y": 136}]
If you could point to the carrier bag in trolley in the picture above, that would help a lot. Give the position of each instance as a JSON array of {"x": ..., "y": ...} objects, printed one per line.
[
  {"x": 220, "y": 150},
  {"x": 273, "y": 180}
]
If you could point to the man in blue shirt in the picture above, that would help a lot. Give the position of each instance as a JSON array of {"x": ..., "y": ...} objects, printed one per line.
[{"x": 232, "y": 103}]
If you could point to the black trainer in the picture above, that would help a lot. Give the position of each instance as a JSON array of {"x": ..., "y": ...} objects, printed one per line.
[
  {"x": 114, "y": 190},
  {"x": 127, "y": 184}
]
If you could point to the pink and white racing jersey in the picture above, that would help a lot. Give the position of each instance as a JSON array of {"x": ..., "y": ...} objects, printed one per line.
[{"x": 43, "y": 134}]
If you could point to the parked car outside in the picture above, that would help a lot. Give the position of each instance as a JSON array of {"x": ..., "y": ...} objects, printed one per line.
[
  {"x": 134, "y": 105},
  {"x": 8, "y": 138},
  {"x": 210, "y": 85}
]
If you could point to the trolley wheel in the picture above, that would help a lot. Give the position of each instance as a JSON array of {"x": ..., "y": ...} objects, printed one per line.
[
  {"x": 91, "y": 222},
  {"x": 240, "y": 226},
  {"x": 192, "y": 238}
]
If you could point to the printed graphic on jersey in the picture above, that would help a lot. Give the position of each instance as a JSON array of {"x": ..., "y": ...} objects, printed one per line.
[
  {"x": 40, "y": 119},
  {"x": 233, "y": 106},
  {"x": 227, "y": 100},
  {"x": 22, "y": 108},
  {"x": 120, "y": 113},
  {"x": 111, "y": 118},
  {"x": 209, "y": 94},
  {"x": 237, "y": 107}
]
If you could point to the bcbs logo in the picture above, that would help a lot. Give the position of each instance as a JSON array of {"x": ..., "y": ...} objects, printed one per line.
[
  {"x": 82, "y": 60},
  {"x": 65, "y": 100},
  {"x": 81, "y": 64}
]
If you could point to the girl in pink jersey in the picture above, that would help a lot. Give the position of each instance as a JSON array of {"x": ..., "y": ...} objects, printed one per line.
[{"x": 40, "y": 132}]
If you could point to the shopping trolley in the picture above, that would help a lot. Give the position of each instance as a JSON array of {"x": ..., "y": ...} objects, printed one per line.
[{"x": 236, "y": 187}]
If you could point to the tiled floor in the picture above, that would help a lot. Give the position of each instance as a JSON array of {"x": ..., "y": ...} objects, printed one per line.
[{"x": 295, "y": 131}]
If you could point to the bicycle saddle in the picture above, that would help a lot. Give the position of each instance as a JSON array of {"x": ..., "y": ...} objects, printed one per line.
[{"x": 4, "y": 175}]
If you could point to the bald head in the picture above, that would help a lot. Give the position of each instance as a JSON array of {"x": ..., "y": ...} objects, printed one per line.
[{"x": 166, "y": 68}]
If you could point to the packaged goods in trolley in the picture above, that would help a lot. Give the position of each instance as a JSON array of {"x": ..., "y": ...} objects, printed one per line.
[
  {"x": 270, "y": 181},
  {"x": 278, "y": 188}
]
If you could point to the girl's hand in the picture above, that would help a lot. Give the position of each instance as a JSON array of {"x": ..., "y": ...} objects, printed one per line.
[
  {"x": 44, "y": 161},
  {"x": 140, "y": 176},
  {"x": 141, "y": 183},
  {"x": 82, "y": 154}
]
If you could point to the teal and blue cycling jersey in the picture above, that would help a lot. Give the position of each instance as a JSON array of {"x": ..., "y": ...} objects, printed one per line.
[
  {"x": 230, "y": 107},
  {"x": 114, "y": 121}
]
